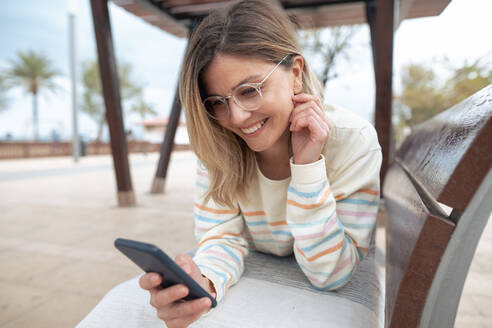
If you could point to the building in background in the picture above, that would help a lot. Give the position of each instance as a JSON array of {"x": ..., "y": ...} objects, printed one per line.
[{"x": 154, "y": 129}]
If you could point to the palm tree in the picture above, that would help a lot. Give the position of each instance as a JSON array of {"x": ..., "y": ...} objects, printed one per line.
[
  {"x": 3, "y": 97},
  {"x": 34, "y": 72},
  {"x": 142, "y": 108},
  {"x": 93, "y": 101}
]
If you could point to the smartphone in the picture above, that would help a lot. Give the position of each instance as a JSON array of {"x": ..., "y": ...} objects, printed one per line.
[{"x": 151, "y": 258}]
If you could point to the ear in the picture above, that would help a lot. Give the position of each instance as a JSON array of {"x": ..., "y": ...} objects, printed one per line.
[{"x": 297, "y": 69}]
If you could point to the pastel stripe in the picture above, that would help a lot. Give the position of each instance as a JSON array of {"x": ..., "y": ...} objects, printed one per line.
[
  {"x": 216, "y": 211},
  {"x": 358, "y": 202},
  {"x": 336, "y": 283},
  {"x": 327, "y": 274},
  {"x": 359, "y": 225},
  {"x": 258, "y": 213},
  {"x": 311, "y": 206},
  {"x": 365, "y": 191},
  {"x": 270, "y": 240},
  {"x": 221, "y": 259},
  {"x": 310, "y": 224},
  {"x": 357, "y": 214},
  {"x": 266, "y": 232},
  {"x": 280, "y": 232},
  {"x": 202, "y": 174},
  {"x": 201, "y": 185},
  {"x": 328, "y": 238},
  {"x": 342, "y": 266},
  {"x": 220, "y": 236},
  {"x": 327, "y": 227},
  {"x": 323, "y": 253},
  {"x": 272, "y": 224},
  {"x": 227, "y": 250},
  {"x": 205, "y": 219},
  {"x": 257, "y": 223},
  {"x": 217, "y": 253},
  {"x": 369, "y": 191},
  {"x": 277, "y": 223},
  {"x": 307, "y": 194}
]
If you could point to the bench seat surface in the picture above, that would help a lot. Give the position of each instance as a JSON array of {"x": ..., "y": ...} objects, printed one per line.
[{"x": 273, "y": 292}]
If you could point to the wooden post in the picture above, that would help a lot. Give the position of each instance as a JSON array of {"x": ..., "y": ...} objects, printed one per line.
[
  {"x": 111, "y": 90},
  {"x": 167, "y": 146},
  {"x": 168, "y": 143},
  {"x": 380, "y": 15}
]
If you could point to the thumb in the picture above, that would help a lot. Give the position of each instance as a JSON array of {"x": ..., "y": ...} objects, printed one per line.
[{"x": 184, "y": 261}]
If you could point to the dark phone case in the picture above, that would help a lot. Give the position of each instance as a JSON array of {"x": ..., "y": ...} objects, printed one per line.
[{"x": 151, "y": 258}]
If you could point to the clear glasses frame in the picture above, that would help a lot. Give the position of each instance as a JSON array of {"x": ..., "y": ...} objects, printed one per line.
[{"x": 224, "y": 101}]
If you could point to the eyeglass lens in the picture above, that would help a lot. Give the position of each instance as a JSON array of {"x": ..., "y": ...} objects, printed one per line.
[{"x": 247, "y": 97}]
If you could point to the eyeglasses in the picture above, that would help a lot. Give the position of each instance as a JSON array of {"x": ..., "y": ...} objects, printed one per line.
[{"x": 247, "y": 96}]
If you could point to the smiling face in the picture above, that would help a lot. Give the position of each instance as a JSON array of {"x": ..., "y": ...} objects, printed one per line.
[{"x": 266, "y": 127}]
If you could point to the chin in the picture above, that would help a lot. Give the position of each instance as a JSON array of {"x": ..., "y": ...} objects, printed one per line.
[{"x": 257, "y": 148}]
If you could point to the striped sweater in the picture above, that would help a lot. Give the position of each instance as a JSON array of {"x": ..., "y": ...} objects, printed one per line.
[{"x": 324, "y": 212}]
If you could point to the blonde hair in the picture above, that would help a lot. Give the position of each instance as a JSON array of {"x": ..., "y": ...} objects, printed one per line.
[{"x": 249, "y": 29}]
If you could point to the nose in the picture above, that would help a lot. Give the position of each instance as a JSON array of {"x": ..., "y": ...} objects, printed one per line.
[{"x": 237, "y": 115}]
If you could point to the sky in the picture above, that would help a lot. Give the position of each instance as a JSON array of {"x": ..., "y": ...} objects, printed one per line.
[{"x": 459, "y": 33}]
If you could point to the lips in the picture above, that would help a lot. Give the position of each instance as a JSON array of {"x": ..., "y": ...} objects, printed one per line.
[{"x": 254, "y": 128}]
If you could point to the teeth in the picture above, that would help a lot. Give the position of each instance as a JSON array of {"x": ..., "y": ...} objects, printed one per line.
[{"x": 254, "y": 128}]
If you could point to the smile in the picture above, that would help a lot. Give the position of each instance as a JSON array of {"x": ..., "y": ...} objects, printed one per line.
[{"x": 254, "y": 128}]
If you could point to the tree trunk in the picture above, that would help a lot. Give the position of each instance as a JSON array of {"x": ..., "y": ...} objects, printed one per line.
[{"x": 35, "y": 119}]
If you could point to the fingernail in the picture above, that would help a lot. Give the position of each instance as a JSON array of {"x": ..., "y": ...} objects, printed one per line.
[
  {"x": 187, "y": 268},
  {"x": 154, "y": 278},
  {"x": 206, "y": 301}
]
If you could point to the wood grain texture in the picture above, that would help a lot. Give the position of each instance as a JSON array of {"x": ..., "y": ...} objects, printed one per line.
[
  {"x": 416, "y": 237},
  {"x": 444, "y": 160},
  {"x": 451, "y": 153},
  {"x": 112, "y": 100},
  {"x": 177, "y": 14}
]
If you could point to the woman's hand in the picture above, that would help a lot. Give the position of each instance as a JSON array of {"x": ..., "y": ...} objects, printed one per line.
[
  {"x": 310, "y": 128},
  {"x": 175, "y": 313}
]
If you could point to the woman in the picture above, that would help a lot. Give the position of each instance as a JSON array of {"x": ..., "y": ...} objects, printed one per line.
[{"x": 279, "y": 172}]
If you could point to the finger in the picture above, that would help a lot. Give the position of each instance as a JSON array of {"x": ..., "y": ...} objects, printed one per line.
[
  {"x": 192, "y": 318},
  {"x": 166, "y": 296},
  {"x": 317, "y": 133},
  {"x": 311, "y": 109},
  {"x": 150, "y": 280},
  {"x": 183, "y": 261},
  {"x": 307, "y": 106},
  {"x": 181, "y": 310},
  {"x": 305, "y": 115},
  {"x": 304, "y": 97}
]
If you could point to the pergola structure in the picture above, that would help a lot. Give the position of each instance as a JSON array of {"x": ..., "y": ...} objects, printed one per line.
[{"x": 179, "y": 17}]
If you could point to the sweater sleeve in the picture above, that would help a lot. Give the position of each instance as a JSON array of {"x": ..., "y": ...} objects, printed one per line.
[
  {"x": 332, "y": 221},
  {"x": 219, "y": 231}
]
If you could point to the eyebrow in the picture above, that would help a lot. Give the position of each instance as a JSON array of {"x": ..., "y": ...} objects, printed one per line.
[{"x": 247, "y": 79}]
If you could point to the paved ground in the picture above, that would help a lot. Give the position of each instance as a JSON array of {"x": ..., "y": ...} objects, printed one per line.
[{"x": 58, "y": 221}]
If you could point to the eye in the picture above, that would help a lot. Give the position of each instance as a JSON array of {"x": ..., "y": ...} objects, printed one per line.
[
  {"x": 216, "y": 102},
  {"x": 248, "y": 92}
]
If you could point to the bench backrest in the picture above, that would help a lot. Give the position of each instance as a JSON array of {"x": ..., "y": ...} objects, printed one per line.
[{"x": 436, "y": 193}]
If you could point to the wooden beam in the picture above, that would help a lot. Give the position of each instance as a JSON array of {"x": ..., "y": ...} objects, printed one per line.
[
  {"x": 112, "y": 101},
  {"x": 168, "y": 143},
  {"x": 380, "y": 16},
  {"x": 167, "y": 146}
]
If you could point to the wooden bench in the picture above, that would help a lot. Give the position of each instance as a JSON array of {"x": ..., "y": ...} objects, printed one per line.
[{"x": 437, "y": 196}]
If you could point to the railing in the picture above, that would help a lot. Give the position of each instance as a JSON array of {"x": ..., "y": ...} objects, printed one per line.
[{"x": 48, "y": 149}]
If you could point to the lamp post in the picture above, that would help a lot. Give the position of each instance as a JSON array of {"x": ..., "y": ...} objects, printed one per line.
[{"x": 72, "y": 10}]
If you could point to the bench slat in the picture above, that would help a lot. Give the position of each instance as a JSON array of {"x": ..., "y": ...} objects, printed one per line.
[{"x": 443, "y": 162}]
